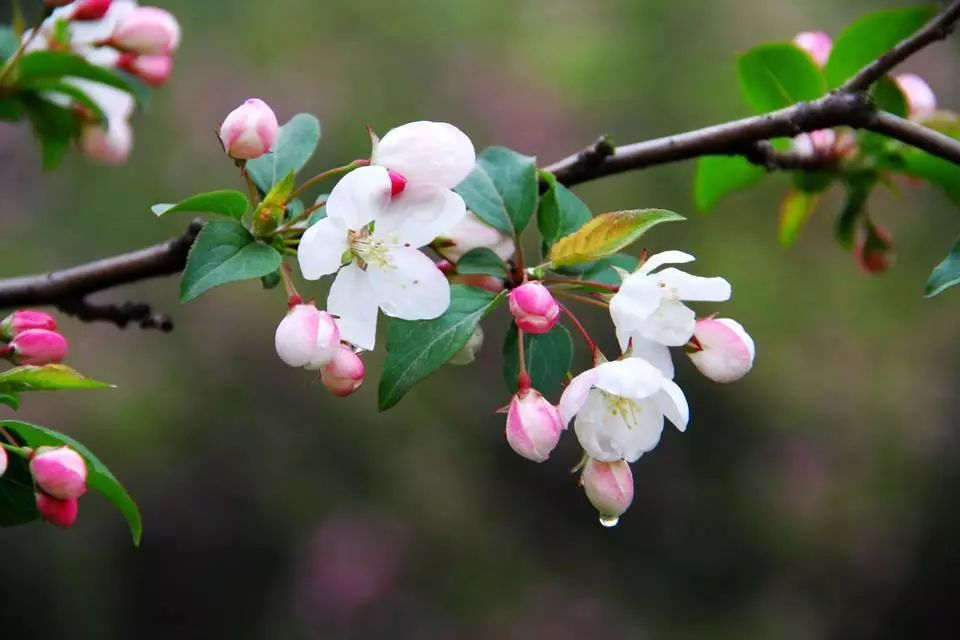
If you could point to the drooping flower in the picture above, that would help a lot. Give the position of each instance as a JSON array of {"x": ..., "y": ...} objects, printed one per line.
[
  {"x": 533, "y": 425},
  {"x": 344, "y": 373},
  {"x": 609, "y": 487},
  {"x": 107, "y": 142},
  {"x": 307, "y": 337},
  {"x": 534, "y": 308},
  {"x": 619, "y": 408},
  {"x": 722, "y": 349}
]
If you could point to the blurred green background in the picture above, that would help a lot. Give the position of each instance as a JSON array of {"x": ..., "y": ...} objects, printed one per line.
[{"x": 813, "y": 499}]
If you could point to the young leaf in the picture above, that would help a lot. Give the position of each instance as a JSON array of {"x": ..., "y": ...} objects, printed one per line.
[
  {"x": 870, "y": 37},
  {"x": 482, "y": 261},
  {"x": 54, "y": 126},
  {"x": 295, "y": 144},
  {"x": 606, "y": 234},
  {"x": 718, "y": 176},
  {"x": 502, "y": 189},
  {"x": 773, "y": 76},
  {"x": 50, "y": 377},
  {"x": 99, "y": 477},
  {"x": 548, "y": 357},
  {"x": 794, "y": 212},
  {"x": 42, "y": 66},
  {"x": 417, "y": 348},
  {"x": 560, "y": 212},
  {"x": 946, "y": 274},
  {"x": 225, "y": 252},
  {"x": 859, "y": 187},
  {"x": 227, "y": 202}
]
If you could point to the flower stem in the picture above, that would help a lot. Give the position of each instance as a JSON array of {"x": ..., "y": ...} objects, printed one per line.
[
  {"x": 523, "y": 378},
  {"x": 252, "y": 192},
  {"x": 594, "y": 350},
  {"x": 327, "y": 174},
  {"x": 586, "y": 283},
  {"x": 288, "y": 282},
  {"x": 5, "y": 71},
  {"x": 583, "y": 299}
]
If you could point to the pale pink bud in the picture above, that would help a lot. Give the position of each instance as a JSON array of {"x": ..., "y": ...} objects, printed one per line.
[
  {"x": 816, "y": 43},
  {"x": 147, "y": 30},
  {"x": 60, "y": 471},
  {"x": 609, "y": 487},
  {"x": 109, "y": 144},
  {"x": 23, "y": 319},
  {"x": 90, "y": 9},
  {"x": 724, "y": 351},
  {"x": 153, "y": 70},
  {"x": 533, "y": 425},
  {"x": 473, "y": 233},
  {"x": 36, "y": 346},
  {"x": 60, "y": 513},
  {"x": 250, "y": 130},
  {"x": 307, "y": 337},
  {"x": 921, "y": 101},
  {"x": 533, "y": 308},
  {"x": 344, "y": 374},
  {"x": 3, "y": 461}
]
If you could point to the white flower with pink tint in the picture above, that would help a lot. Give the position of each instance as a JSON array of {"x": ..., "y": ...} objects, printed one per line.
[
  {"x": 474, "y": 233},
  {"x": 146, "y": 30},
  {"x": 533, "y": 307},
  {"x": 107, "y": 142},
  {"x": 533, "y": 425},
  {"x": 817, "y": 43},
  {"x": 721, "y": 349},
  {"x": 307, "y": 337},
  {"x": 921, "y": 101},
  {"x": 250, "y": 130},
  {"x": 609, "y": 487}
]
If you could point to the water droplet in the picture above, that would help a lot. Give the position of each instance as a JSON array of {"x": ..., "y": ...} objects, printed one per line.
[{"x": 609, "y": 521}]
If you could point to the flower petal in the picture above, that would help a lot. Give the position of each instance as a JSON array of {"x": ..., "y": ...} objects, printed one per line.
[
  {"x": 606, "y": 434},
  {"x": 695, "y": 288},
  {"x": 360, "y": 196},
  {"x": 657, "y": 260},
  {"x": 638, "y": 297},
  {"x": 671, "y": 324},
  {"x": 427, "y": 153},
  {"x": 575, "y": 395},
  {"x": 671, "y": 402},
  {"x": 653, "y": 352},
  {"x": 420, "y": 214},
  {"x": 354, "y": 301},
  {"x": 630, "y": 378},
  {"x": 322, "y": 247},
  {"x": 411, "y": 287}
]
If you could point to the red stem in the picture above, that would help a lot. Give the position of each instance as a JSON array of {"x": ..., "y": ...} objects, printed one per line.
[
  {"x": 613, "y": 288},
  {"x": 583, "y": 331}
]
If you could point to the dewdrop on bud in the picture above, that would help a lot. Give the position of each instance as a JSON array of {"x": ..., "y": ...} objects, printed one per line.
[
  {"x": 60, "y": 472},
  {"x": 533, "y": 308},
  {"x": 468, "y": 352},
  {"x": 721, "y": 349},
  {"x": 147, "y": 30},
  {"x": 817, "y": 43},
  {"x": 609, "y": 487},
  {"x": 250, "y": 130},
  {"x": 153, "y": 70},
  {"x": 344, "y": 374},
  {"x": 307, "y": 337},
  {"x": 36, "y": 347},
  {"x": 921, "y": 101},
  {"x": 90, "y": 9},
  {"x": 533, "y": 425},
  {"x": 23, "y": 319},
  {"x": 60, "y": 513}
]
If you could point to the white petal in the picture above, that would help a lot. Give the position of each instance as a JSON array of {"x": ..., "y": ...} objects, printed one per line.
[
  {"x": 671, "y": 402},
  {"x": 360, "y": 196},
  {"x": 427, "y": 153},
  {"x": 638, "y": 297},
  {"x": 575, "y": 394},
  {"x": 420, "y": 214},
  {"x": 671, "y": 324},
  {"x": 695, "y": 288},
  {"x": 607, "y": 435},
  {"x": 657, "y": 260},
  {"x": 353, "y": 300},
  {"x": 653, "y": 352},
  {"x": 631, "y": 378},
  {"x": 114, "y": 103},
  {"x": 322, "y": 247},
  {"x": 411, "y": 287}
]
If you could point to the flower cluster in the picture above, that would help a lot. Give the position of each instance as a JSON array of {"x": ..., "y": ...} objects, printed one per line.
[
  {"x": 31, "y": 338},
  {"x": 117, "y": 35},
  {"x": 59, "y": 479}
]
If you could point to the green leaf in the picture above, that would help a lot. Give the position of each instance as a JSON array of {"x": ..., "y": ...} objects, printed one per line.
[
  {"x": 9, "y": 42},
  {"x": 417, "y": 348},
  {"x": 225, "y": 252},
  {"x": 54, "y": 126},
  {"x": 560, "y": 212},
  {"x": 870, "y": 37},
  {"x": 11, "y": 108},
  {"x": 482, "y": 261},
  {"x": 859, "y": 187},
  {"x": 940, "y": 172},
  {"x": 99, "y": 477},
  {"x": 603, "y": 270},
  {"x": 795, "y": 210},
  {"x": 50, "y": 377},
  {"x": 320, "y": 213},
  {"x": 607, "y": 234},
  {"x": 226, "y": 202},
  {"x": 773, "y": 76},
  {"x": 11, "y": 400},
  {"x": 718, "y": 176},
  {"x": 296, "y": 142},
  {"x": 39, "y": 67},
  {"x": 502, "y": 189},
  {"x": 18, "y": 505},
  {"x": 888, "y": 97},
  {"x": 548, "y": 357},
  {"x": 946, "y": 274},
  {"x": 274, "y": 204},
  {"x": 71, "y": 91}
]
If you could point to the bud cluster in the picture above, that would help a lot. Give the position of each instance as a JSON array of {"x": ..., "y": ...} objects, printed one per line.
[
  {"x": 59, "y": 479},
  {"x": 31, "y": 337}
]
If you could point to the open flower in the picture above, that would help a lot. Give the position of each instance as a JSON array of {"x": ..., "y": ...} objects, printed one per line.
[{"x": 619, "y": 408}]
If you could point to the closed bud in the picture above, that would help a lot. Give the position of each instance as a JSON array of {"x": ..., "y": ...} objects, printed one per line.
[
  {"x": 3, "y": 461},
  {"x": 147, "y": 30},
  {"x": 921, "y": 101},
  {"x": 817, "y": 43},
  {"x": 60, "y": 513},
  {"x": 468, "y": 352},
  {"x": 874, "y": 250},
  {"x": 533, "y": 425},
  {"x": 609, "y": 487},
  {"x": 721, "y": 349},
  {"x": 23, "y": 319},
  {"x": 90, "y": 9},
  {"x": 110, "y": 144},
  {"x": 250, "y": 130},
  {"x": 153, "y": 70},
  {"x": 344, "y": 374},
  {"x": 533, "y": 308},
  {"x": 36, "y": 347},
  {"x": 472, "y": 233},
  {"x": 60, "y": 472},
  {"x": 307, "y": 337}
]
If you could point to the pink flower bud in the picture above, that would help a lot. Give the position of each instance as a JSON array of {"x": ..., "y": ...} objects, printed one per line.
[
  {"x": 816, "y": 43},
  {"x": 36, "y": 346},
  {"x": 473, "y": 233},
  {"x": 147, "y": 30},
  {"x": 307, "y": 337},
  {"x": 90, "y": 9},
  {"x": 533, "y": 308},
  {"x": 397, "y": 183},
  {"x": 153, "y": 70},
  {"x": 921, "y": 101},
  {"x": 23, "y": 319},
  {"x": 533, "y": 425},
  {"x": 60, "y": 471},
  {"x": 250, "y": 130},
  {"x": 874, "y": 250},
  {"x": 724, "y": 350},
  {"x": 108, "y": 145},
  {"x": 609, "y": 487},
  {"x": 60, "y": 513},
  {"x": 3, "y": 461},
  {"x": 344, "y": 374}
]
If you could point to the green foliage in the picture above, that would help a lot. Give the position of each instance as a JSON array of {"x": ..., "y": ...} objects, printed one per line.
[
  {"x": 871, "y": 36},
  {"x": 946, "y": 274},
  {"x": 482, "y": 261},
  {"x": 795, "y": 210},
  {"x": 718, "y": 176},
  {"x": 773, "y": 76},
  {"x": 99, "y": 477},
  {"x": 607, "y": 234},
  {"x": 418, "y": 348},
  {"x": 226, "y": 202},
  {"x": 18, "y": 505},
  {"x": 859, "y": 187},
  {"x": 548, "y": 357},
  {"x": 54, "y": 126},
  {"x": 40, "y": 67},
  {"x": 70, "y": 91},
  {"x": 50, "y": 377},
  {"x": 9, "y": 41},
  {"x": 502, "y": 189},
  {"x": 225, "y": 252},
  {"x": 12, "y": 400},
  {"x": 560, "y": 212},
  {"x": 296, "y": 143},
  {"x": 603, "y": 270}
]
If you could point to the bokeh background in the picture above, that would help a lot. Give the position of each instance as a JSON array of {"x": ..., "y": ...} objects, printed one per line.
[{"x": 813, "y": 499}]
